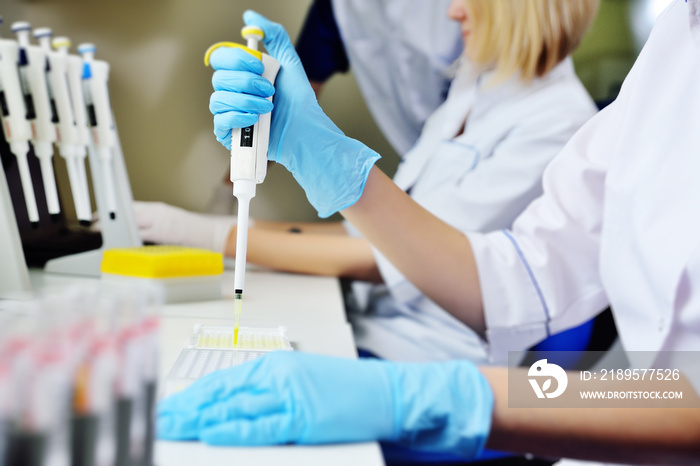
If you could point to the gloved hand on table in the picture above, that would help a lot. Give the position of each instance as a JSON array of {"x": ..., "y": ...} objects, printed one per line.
[
  {"x": 290, "y": 397},
  {"x": 165, "y": 224},
  {"x": 330, "y": 167}
]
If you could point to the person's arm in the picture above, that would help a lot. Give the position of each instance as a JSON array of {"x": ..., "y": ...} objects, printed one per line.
[
  {"x": 310, "y": 253},
  {"x": 631, "y": 435},
  {"x": 440, "y": 263},
  {"x": 321, "y": 228}
]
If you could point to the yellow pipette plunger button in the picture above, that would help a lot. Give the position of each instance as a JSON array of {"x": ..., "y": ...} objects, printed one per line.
[
  {"x": 256, "y": 53},
  {"x": 252, "y": 33},
  {"x": 249, "y": 31}
]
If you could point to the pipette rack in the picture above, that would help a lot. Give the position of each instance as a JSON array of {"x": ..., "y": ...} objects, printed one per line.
[{"x": 121, "y": 232}]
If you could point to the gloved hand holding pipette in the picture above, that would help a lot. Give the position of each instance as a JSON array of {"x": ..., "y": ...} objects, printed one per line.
[{"x": 302, "y": 137}]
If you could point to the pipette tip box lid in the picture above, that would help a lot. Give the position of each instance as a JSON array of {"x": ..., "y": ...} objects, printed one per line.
[{"x": 183, "y": 274}]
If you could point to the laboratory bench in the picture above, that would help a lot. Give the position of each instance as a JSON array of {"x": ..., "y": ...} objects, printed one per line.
[{"x": 311, "y": 310}]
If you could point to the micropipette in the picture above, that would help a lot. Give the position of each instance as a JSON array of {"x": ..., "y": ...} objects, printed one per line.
[
  {"x": 248, "y": 163},
  {"x": 100, "y": 120},
  {"x": 78, "y": 144},
  {"x": 67, "y": 132},
  {"x": 17, "y": 129},
  {"x": 33, "y": 73}
]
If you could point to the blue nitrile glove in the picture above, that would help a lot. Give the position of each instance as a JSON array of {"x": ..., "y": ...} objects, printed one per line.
[
  {"x": 330, "y": 167},
  {"x": 290, "y": 397}
]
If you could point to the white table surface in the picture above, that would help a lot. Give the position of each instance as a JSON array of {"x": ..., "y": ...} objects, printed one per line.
[
  {"x": 312, "y": 311},
  {"x": 273, "y": 298}
]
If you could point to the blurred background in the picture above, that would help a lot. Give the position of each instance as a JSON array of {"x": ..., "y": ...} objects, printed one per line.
[{"x": 160, "y": 87}]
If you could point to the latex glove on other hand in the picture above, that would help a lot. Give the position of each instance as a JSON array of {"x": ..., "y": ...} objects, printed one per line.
[
  {"x": 330, "y": 167},
  {"x": 290, "y": 397},
  {"x": 165, "y": 224}
]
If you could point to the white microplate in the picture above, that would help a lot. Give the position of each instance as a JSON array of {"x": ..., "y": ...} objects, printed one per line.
[
  {"x": 252, "y": 339},
  {"x": 211, "y": 348}
]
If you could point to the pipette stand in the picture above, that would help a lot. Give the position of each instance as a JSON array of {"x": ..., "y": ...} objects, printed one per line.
[
  {"x": 118, "y": 233},
  {"x": 14, "y": 276}
]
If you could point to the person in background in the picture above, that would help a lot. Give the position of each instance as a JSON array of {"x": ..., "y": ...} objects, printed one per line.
[
  {"x": 401, "y": 53},
  {"x": 616, "y": 224},
  {"x": 513, "y": 104}
]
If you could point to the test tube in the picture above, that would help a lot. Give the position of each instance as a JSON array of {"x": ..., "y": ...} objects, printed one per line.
[
  {"x": 26, "y": 445},
  {"x": 94, "y": 399},
  {"x": 5, "y": 383}
]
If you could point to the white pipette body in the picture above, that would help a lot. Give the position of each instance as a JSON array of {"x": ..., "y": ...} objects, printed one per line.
[
  {"x": 16, "y": 127},
  {"x": 45, "y": 118},
  {"x": 75, "y": 85},
  {"x": 68, "y": 137},
  {"x": 100, "y": 120}
]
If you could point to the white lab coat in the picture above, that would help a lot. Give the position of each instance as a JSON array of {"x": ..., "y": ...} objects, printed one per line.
[
  {"x": 479, "y": 180},
  {"x": 400, "y": 52},
  {"x": 619, "y": 219}
]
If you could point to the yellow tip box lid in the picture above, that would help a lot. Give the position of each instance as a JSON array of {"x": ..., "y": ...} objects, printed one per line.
[{"x": 161, "y": 262}]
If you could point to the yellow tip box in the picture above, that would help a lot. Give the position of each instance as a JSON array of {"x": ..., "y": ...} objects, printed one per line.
[{"x": 183, "y": 274}]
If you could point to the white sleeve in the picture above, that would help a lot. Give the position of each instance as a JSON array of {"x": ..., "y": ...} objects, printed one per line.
[
  {"x": 503, "y": 180},
  {"x": 542, "y": 277}
]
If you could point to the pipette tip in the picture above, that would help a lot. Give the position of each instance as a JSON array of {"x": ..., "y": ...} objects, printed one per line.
[
  {"x": 113, "y": 215},
  {"x": 85, "y": 223},
  {"x": 237, "y": 304}
]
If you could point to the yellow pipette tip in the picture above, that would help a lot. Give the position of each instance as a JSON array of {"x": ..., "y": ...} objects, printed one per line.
[{"x": 237, "y": 308}]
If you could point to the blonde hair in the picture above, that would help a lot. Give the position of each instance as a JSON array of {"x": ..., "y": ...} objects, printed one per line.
[{"x": 529, "y": 37}]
